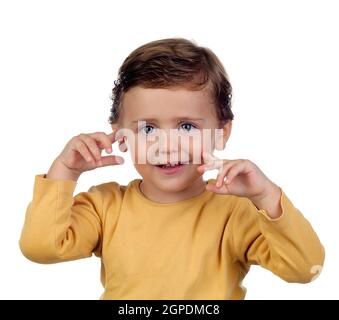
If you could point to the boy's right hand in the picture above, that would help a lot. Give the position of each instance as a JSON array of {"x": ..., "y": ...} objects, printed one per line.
[{"x": 83, "y": 153}]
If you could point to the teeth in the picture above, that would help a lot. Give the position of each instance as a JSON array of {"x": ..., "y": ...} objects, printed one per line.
[{"x": 170, "y": 165}]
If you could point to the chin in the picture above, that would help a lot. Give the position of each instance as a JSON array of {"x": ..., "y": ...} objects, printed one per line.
[
  {"x": 175, "y": 183},
  {"x": 172, "y": 184},
  {"x": 169, "y": 183}
]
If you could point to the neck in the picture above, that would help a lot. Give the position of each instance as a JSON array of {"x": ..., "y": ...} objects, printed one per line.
[{"x": 155, "y": 194}]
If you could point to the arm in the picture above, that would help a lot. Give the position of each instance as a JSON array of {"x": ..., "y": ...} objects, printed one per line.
[
  {"x": 268, "y": 229},
  {"x": 287, "y": 245},
  {"x": 59, "y": 227}
]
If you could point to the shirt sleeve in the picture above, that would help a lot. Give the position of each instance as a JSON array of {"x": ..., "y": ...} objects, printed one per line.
[
  {"x": 59, "y": 227},
  {"x": 288, "y": 246}
]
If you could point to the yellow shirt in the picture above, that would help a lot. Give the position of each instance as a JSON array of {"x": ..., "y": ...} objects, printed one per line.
[{"x": 199, "y": 248}]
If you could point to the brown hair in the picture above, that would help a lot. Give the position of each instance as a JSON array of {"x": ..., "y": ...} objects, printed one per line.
[{"x": 171, "y": 62}]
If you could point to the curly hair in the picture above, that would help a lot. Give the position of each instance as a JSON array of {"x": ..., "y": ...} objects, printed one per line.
[{"x": 173, "y": 62}]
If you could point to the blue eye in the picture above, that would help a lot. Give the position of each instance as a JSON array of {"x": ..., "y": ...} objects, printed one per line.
[
  {"x": 146, "y": 129},
  {"x": 187, "y": 126}
]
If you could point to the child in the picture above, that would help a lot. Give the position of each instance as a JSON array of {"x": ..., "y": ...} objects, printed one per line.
[{"x": 169, "y": 235}]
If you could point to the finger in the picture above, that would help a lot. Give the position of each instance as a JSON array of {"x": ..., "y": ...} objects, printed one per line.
[
  {"x": 208, "y": 157},
  {"x": 222, "y": 175},
  {"x": 111, "y": 135},
  {"x": 212, "y": 187},
  {"x": 103, "y": 140},
  {"x": 83, "y": 150},
  {"x": 211, "y": 161},
  {"x": 115, "y": 135},
  {"x": 111, "y": 160},
  {"x": 205, "y": 167},
  {"x": 218, "y": 164},
  {"x": 238, "y": 168},
  {"x": 92, "y": 146}
]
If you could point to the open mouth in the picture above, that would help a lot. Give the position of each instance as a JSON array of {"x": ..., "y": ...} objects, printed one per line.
[
  {"x": 171, "y": 165},
  {"x": 171, "y": 168}
]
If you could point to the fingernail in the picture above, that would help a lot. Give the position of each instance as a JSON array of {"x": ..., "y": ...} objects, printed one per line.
[{"x": 120, "y": 160}]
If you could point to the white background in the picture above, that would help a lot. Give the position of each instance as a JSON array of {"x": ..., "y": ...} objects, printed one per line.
[{"x": 58, "y": 61}]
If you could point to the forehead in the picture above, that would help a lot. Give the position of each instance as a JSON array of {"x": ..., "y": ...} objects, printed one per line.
[{"x": 166, "y": 103}]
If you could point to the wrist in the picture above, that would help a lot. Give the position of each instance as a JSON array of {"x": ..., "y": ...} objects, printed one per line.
[
  {"x": 269, "y": 201},
  {"x": 58, "y": 171}
]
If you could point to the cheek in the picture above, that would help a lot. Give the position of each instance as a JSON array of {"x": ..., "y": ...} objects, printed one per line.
[
  {"x": 141, "y": 151},
  {"x": 143, "y": 169},
  {"x": 138, "y": 149},
  {"x": 198, "y": 144},
  {"x": 195, "y": 149},
  {"x": 205, "y": 141}
]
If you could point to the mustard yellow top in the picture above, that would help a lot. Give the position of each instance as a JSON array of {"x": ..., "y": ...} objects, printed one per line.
[{"x": 199, "y": 248}]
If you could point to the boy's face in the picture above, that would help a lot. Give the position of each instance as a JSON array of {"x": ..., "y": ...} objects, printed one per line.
[{"x": 167, "y": 126}]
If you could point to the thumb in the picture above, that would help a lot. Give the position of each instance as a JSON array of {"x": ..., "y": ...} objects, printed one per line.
[{"x": 111, "y": 161}]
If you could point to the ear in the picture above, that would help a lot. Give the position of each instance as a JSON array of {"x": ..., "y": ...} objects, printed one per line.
[{"x": 222, "y": 138}]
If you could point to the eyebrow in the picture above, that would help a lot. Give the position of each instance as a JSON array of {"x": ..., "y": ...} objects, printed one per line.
[{"x": 175, "y": 119}]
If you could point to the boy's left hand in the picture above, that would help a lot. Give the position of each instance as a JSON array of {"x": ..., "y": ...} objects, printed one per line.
[{"x": 244, "y": 179}]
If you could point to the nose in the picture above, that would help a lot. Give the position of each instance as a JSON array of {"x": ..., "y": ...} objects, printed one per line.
[
  {"x": 172, "y": 148},
  {"x": 168, "y": 146}
]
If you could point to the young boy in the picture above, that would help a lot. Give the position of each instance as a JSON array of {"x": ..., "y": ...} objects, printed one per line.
[{"x": 169, "y": 235}]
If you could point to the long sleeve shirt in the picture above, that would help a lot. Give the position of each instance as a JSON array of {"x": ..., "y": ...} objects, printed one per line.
[{"x": 198, "y": 248}]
